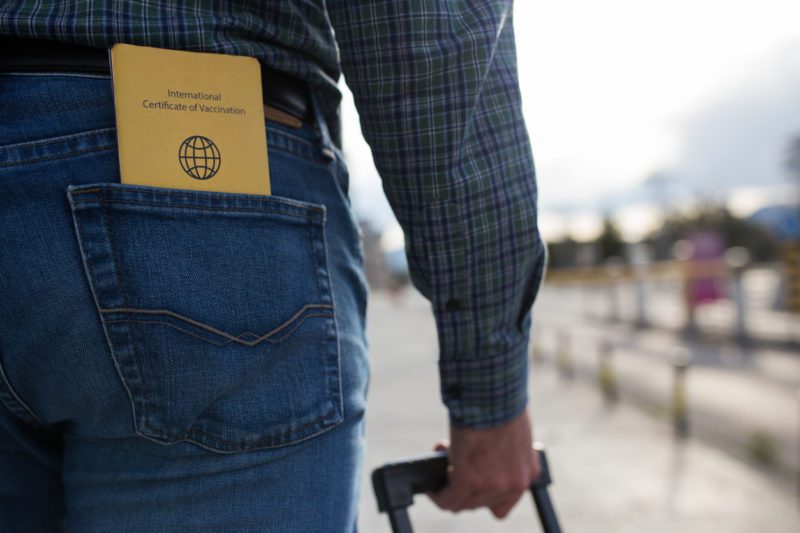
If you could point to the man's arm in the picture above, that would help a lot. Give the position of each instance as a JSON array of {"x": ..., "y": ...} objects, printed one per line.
[{"x": 435, "y": 84}]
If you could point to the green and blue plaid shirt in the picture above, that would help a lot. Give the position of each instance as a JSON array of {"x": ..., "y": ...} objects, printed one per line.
[{"x": 435, "y": 84}]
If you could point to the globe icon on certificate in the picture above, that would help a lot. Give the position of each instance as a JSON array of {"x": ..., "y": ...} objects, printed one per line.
[{"x": 199, "y": 157}]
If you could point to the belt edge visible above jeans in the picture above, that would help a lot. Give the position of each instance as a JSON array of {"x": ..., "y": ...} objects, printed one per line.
[{"x": 282, "y": 91}]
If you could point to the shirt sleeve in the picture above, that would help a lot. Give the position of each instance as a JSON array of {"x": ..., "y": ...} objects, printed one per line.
[{"x": 436, "y": 87}]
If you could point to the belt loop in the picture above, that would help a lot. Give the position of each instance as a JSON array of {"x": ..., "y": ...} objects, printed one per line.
[{"x": 327, "y": 150}]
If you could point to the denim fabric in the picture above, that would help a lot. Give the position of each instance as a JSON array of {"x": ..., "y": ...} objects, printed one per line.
[{"x": 173, "y": 360}]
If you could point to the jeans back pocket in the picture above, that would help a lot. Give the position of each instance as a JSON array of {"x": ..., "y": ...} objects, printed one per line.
[{"x": 218, "y": 310}]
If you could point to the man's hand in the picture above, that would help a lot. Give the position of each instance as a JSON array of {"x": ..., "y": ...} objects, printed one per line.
[{"x": 490, "y": 467}]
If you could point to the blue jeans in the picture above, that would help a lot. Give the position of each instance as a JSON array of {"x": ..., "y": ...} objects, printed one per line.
[{"x": 173, "y": 360}]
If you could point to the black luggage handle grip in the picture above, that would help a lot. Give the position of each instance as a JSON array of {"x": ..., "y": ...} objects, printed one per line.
[{"x": 395, "y": 485}]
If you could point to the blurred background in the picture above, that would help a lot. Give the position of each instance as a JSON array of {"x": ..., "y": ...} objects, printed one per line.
[{"x": 665, "y": 376}]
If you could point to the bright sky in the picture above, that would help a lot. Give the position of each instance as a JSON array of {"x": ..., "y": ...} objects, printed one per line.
[{"x": 608, "y": 90}]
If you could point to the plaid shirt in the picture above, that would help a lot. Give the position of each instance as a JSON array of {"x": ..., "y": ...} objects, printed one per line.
[{"x": 435, "y": 84}]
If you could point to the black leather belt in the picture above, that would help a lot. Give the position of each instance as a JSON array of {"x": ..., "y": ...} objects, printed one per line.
[{"x": 281, "y": 91}]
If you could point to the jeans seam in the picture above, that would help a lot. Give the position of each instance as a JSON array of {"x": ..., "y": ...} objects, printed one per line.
[
  {"x": 338, "y": 392},
  {"x": 282, "y": 208},
  {"x": 58, "y": 156},
  {"x": 283, "y": 141},
  {"x": 325, "y": 414},
  {"x": 212, "y": 329},
  {"x": 164, "y": 322},
  {"x": 17, "y": 403},
  {"x": 268, "y": 437},
  {"x": 293, "y": 145},
  {"x": 293, "y": 137},
  {"x": 129, "y": 334},
  {"x": 110, "y": 343},
  {"x": 208, "y": 208},
  {"x": 54, "y": 140}
]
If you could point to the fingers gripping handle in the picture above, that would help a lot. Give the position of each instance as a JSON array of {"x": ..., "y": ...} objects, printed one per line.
[{"x": 395, "y": 485}]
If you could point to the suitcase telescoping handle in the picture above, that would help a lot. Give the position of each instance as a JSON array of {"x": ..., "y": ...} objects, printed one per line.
[{"x": 395, "y": 485}]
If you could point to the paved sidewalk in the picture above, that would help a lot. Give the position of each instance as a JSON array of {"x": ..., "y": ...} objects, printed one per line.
[
  {"x": 737, "y": 396},
  {"x": 615, "y": 471}
]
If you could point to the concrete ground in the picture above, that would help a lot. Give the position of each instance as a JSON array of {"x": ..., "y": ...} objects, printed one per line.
[
  {"x": 615, "y": 470},
  {"x": 742, "y": 399}
]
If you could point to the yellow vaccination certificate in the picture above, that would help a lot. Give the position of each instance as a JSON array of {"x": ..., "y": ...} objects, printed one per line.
[{"x": 189, "y": 120}]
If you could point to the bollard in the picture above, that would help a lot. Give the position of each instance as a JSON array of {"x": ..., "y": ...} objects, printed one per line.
[
  {"x": 737, "y": 259},
  {"x": 640, "y": 258},
  {"x": 683, "y": 251},
  {"x": 791, "y": 265},
  {"x": 536, "y": 346},
  {"x": 690, "y": 327},
  {"x": 606, "y": 377},
  {"x": 564, "y": 357},
  {"x": 641, "y": 297},
  {"x": 681, "y": 360},
  {"x": 614, "y": 269},
  {"x": 585, "y": 299},
  {"x": 613, "y": 300}
]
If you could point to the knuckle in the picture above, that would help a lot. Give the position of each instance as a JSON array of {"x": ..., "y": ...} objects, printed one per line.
[
  {"x": 481, "y": 485},
  {"x": 472, "y": 484},
  {"x": 519, "y": 485},
  {"x": 515, "y": 484}
]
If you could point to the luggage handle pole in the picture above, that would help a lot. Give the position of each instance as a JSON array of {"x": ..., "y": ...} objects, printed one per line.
[
  {"x": 395, "y": 485},
  {"x": 399, "y": 520}
]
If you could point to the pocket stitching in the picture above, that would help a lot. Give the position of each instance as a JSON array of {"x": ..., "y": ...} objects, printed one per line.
[
  {"x": 56, "y": 156},
  {"x": 268, "y": 438},
  {"x": 231, "y": 338},
  {"x": 208, "y": 208},
  {"x": 91, "y": 281},
  {"x": 130, "y": 321},
  {"x": 333, "y": 412},
  {"x": 140, "y": 418},
  {"x": 272, "y": 203},
  {"x": 15, "y": 404},
  {"x": 338, "y": 389},
  {"x": 60, "y": 138}
]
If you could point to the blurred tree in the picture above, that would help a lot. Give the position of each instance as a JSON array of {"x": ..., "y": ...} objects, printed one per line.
[
  {"x": 562, "y": 254},
  {"x": 610, "y": 241},
  {"x": 733, "y": 231},
  {"x": 793, "y": 158}
]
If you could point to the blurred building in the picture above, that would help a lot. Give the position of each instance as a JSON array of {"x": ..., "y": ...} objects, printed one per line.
[{"x": 378, "y": 275}]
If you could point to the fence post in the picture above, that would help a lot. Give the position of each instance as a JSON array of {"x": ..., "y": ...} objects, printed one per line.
[
  {"x": 614, "y": 267},
  {"x": 564, "y": 356},
  {"x": 640, "y": 258},
  {"x": 791, "y": 262},
  {"x": 737, "y": 259},
  {"x": 681, "y": 361},
  {"x": 536, "y": 345},
  {"x": 606, "y": 377},
  {"x": 683, "y": 251},
  {"x": 640, "y": 275}
]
